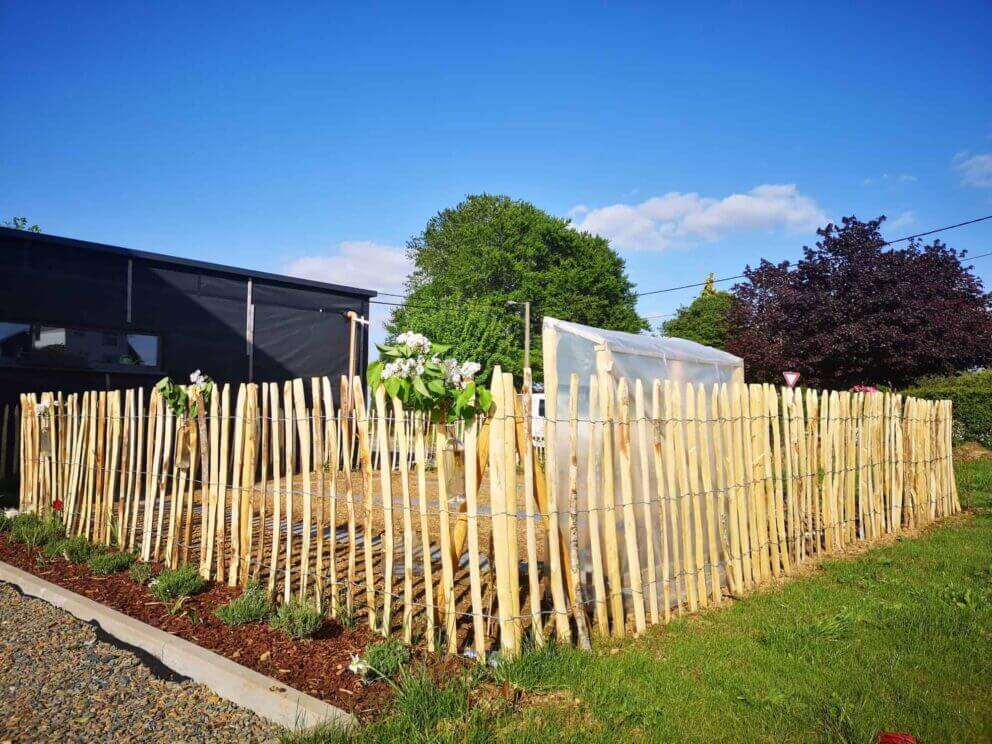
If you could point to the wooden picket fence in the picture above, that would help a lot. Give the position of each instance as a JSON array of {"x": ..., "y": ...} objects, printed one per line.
[{"x": 651, "y": 501}]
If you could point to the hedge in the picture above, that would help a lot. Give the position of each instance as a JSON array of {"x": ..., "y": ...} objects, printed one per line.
[{"x": 971, "y": 393}]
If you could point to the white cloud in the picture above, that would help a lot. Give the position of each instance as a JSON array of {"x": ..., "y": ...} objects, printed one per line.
[
  {"x": 890, "y": 178},
  {"x": 661, "y": 221},
  {"x": 975, "y": 170},
  {"x": 360, "y": 263},
  {"x": 357, "y": 263},
  {"x": 902, "y": 220}
]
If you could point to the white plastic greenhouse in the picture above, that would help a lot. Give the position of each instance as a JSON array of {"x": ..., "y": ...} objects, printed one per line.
[{"x": 592, "y": 354}]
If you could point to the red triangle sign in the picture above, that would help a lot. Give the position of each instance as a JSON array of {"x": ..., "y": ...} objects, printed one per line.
[{"x": 791, "y": 378}]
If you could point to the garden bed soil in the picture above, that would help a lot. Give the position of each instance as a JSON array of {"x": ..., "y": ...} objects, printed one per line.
[{"x": 317, "y": 666}]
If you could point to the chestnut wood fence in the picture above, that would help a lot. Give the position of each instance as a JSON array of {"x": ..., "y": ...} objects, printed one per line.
[{"x": 655, "y": 500}]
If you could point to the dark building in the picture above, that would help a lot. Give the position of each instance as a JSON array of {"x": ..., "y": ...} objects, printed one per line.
[{"x": 80, "y": 316}]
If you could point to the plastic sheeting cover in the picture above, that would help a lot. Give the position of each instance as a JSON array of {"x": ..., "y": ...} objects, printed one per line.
[{"x": 591, "y": 352}]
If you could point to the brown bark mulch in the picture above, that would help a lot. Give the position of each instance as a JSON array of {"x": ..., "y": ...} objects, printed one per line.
[{"x": 317, "y": 666}]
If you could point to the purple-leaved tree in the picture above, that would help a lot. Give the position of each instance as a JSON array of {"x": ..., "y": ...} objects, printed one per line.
[{"x": 855, "y": 311}]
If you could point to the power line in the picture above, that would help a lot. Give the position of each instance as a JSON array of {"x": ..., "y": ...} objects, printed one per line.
[
  {"x": 940, "y": 229},
  {"x": 461, "y": 305},
  {"x": 888, "y": 242}
]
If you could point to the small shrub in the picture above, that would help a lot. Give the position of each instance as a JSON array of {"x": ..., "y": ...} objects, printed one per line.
[
  {"x": 108, "y": 563},
  {"x": 385, "y": 658},
  {"x": 253, "y": 605},
  {"x": 78, "y": 549},
  {"x": 347, "y": 617},
  {"x": 141, "y": 573},
  {"x": 297, "y": 619},
  {"x": 34, "y": 531},
  {"x": 54, "y": 549},
  {"x": 178, "y": 583}
]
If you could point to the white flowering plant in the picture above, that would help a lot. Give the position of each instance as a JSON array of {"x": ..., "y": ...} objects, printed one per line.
[
  {"x": 178, "y": 397},
  {"x": 413, "y": 370}
]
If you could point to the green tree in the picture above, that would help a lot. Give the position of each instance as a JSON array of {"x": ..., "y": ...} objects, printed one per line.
[
  {"x": 472, "y": 262},
  {"x": 21, "y": 223},
  {"x": 705, "y": 320}
]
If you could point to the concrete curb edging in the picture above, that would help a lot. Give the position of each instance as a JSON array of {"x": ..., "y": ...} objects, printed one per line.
[{"x": 267, "y": 697}]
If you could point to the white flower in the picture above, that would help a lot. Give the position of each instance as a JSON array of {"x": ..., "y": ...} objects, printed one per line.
[
  {"x": 42, "y": 408},
  {"x": 452, "y": 373},
  {"x": 470, "y": 369},
  {"x": 10, "y": 513},
  {"x": 197, "y": 378},
  {"x": 414, "y": 342},
  {"x": 359, "y": 667}
]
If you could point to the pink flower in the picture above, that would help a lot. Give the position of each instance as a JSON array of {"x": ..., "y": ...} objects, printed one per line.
[{"x": 864, "y": 389}]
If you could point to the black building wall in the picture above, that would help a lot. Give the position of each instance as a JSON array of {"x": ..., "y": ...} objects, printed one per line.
[{"x": 232, "y": 324}]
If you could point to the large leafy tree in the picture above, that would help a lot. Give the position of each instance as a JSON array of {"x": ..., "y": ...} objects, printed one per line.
[
  {"x": 474, "y": 264},
  {"x": 854, "y": 310},
  {"x": 705, "y": 320}
]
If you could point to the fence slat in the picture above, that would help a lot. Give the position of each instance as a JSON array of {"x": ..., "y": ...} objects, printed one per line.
[
  {"x": 385, "y": 480},
  {"x": 347, "y": 429},
  {"x": 608, "y": 512},
  {"x": 578, "y": 605},
  {"x": 594, "y": 505},
  {"x": 420, "y": 458},
  {"x": 530, "y": 500},
  {"x": 644, "y": 442},
  {"x": 662, "y": 491},
  {"x": 362, "y": 420},
  {"x": 707, "y": 495},
  {"x": 629, "y": 517}
]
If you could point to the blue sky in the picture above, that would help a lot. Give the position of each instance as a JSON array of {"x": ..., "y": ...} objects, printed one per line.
[{"x": 317, "y": 138}]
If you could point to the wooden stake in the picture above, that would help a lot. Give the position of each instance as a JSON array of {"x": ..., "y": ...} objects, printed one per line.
[
  {"x": 644, "y": 444},
  {"x": 533, "y": 576},
  {"x": 578, "y": 606}
]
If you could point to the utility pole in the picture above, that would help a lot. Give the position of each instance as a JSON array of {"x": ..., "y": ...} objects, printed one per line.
[
  {"x": 352, "y": 317},
  {"x": 526, "y": 304}
]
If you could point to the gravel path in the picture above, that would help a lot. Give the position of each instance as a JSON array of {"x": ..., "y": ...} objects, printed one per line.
[{"x": 59, "y": 683}]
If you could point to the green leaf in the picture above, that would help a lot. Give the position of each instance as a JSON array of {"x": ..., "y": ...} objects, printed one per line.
[
  {"x": 388, "y": 351},
  {"x": 393, "y": 385},
  {"x": 420, "y": 387},
  {"x": 374, "y": 374},
  {"x": 436, "y": 387},
  {"x": 484, "y": 399},
  {"x": 440, "y": 349}
]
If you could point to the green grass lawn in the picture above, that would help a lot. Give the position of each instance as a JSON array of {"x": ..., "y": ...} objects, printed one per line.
[{"x": 897, "y": 639}]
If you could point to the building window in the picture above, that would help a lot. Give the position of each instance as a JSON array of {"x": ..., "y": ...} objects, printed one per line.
[
  {"x": 144, "y": 349},
  {"x": 78, "y": 348},
  {"x": 15, "y": 338}
]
